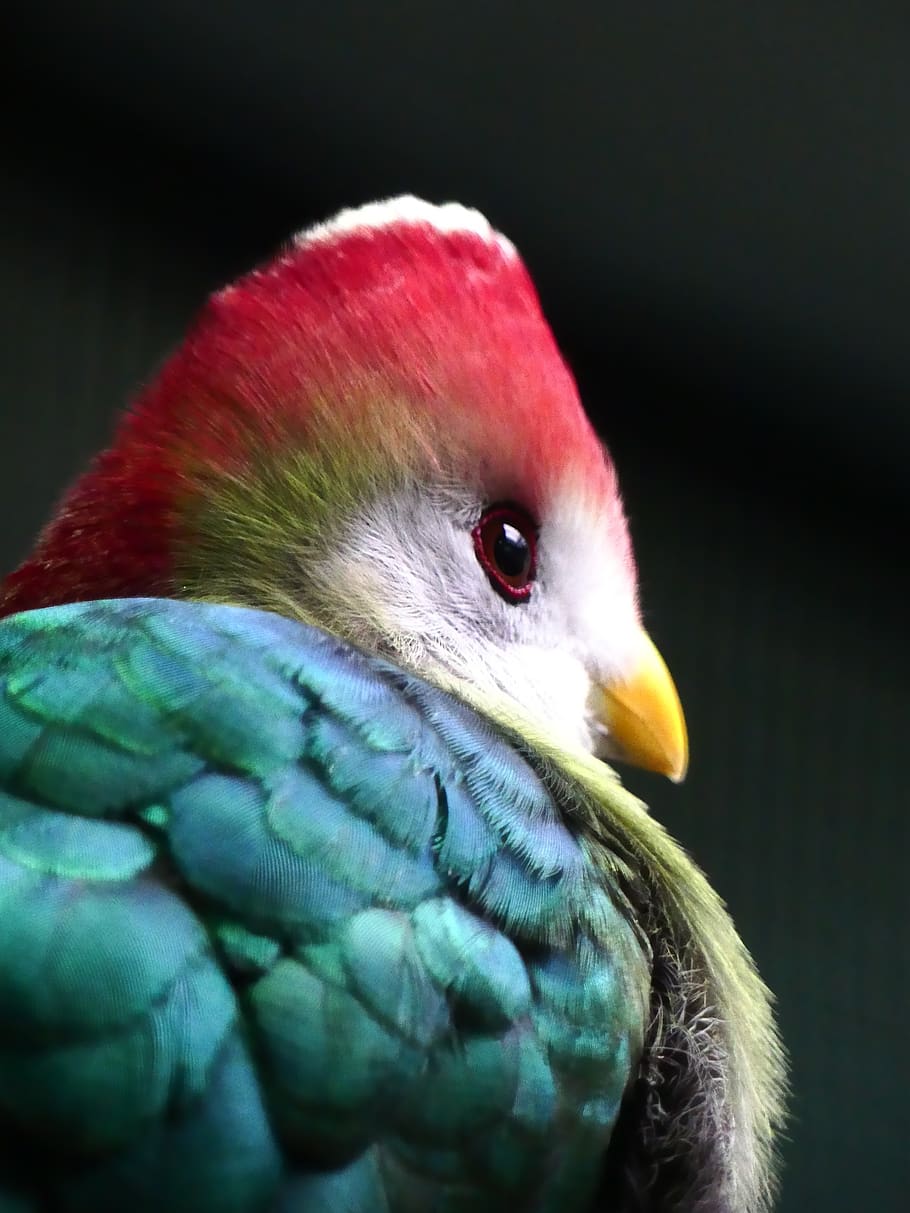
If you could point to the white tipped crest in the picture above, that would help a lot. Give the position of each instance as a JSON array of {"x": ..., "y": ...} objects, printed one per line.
[{"x": 447, "y": 217}]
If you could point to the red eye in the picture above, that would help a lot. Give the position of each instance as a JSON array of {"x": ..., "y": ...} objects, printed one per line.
[{"x": 505, "y": 541}]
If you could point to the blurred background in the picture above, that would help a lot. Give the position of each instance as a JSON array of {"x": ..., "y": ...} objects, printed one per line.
[{"x": 714, "y": 200}]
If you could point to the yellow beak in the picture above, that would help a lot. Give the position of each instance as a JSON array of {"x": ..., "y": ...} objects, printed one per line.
[{"x": 644, "y": 719}]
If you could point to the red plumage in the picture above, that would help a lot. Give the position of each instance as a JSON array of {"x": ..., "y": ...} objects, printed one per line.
[{"x": 444, "y": 320}]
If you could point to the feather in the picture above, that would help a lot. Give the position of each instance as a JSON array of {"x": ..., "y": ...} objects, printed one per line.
[{"x": 240, "y": 968}]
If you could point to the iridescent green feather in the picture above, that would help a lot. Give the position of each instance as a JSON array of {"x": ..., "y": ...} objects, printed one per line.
[
  {"x": 709, "y": 1004},
  {"x": 283, "y": 927}
]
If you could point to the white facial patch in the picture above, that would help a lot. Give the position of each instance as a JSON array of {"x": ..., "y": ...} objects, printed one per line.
[
  {"x": 591, "y": 586},
  {"x": 404, "y": 581}
]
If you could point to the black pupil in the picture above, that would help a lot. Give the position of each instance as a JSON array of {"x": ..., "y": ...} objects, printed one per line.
[{"x": 511, "y": 551}]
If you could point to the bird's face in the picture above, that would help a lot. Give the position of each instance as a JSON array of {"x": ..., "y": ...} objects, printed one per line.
[
  {"x": 376, "y": 433},
  {"x": 533, "y": 609}
]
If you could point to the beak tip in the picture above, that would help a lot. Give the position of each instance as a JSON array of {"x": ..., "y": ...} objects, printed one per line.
[
  {"x": 678, "y": 774},
  {"x": 679, "y": 767}
]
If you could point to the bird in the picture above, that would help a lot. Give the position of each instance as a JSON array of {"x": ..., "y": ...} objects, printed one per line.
[{"x": 319, "y": 890}]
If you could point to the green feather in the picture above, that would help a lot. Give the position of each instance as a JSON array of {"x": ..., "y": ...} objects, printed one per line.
[{"x": 731, "y": 1028}]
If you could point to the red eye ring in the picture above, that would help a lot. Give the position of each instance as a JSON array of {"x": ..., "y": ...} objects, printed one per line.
[{"x": 505, "y": 542}]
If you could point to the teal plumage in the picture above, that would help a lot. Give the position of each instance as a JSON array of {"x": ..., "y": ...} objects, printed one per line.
[
  {"x": 283, "y": 927},
  {"x": 316, "y": 892}
]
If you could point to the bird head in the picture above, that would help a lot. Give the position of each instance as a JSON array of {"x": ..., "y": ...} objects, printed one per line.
[{"x": 375, "y": 433}]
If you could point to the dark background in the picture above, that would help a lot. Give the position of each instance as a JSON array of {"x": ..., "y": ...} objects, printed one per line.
[{"x": 714, "y": 200}]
